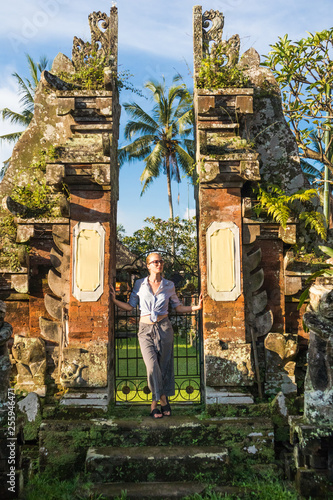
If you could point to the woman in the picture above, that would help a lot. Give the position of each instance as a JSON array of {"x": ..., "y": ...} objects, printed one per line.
[{"x": 153, "y": 294}]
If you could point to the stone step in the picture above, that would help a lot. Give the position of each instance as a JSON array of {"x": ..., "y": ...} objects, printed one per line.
[
  {"x": 254, "y": 431},
  {"x": 162, "y": 490},
  {"x": 247, "y": 439},
  {"x": 156, "y": 463}
]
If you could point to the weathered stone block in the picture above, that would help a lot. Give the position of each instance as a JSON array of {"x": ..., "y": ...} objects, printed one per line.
[
  {"x": 20, "y": 282},
  {"x": 318, "y": 394},
  {"x": 205, "y": 103},
  {"x": 250, "y": 233},
  {"x": 24, "y": 232},
  {"x": 55, "y": 174},
  {"x": 65, "y": 105},
  {"x": 223, "y": 396},
  {"x": 293, "y": 284},
  {"x": 244, "y": 104},
  {"x": 288, "y": 234},
  {"x": 30, "y": 358},
  {"x": 101, "y": 174},
  {"x": 53, "y": 306},
  {"x": 104, "y": 104},
  {"x": 50, "y": 330},
  {"x": 249, "y": 170},
  {"x": 228, "y": 367},
  {"x": 279, "y": 352}
]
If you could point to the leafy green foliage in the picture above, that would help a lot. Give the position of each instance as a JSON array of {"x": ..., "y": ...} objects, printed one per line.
[
  {"x": 281, "y": 207},
  {"x": 158, "y": 236},
  {"x": 214, "y": 73},
  {"x": 303, "y": 70},
  {"x": 90, "y": 75},
  {"x": 38, "y": 198}
]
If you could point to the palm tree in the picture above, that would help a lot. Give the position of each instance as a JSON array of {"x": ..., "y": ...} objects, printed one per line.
[
  {"x": 162, "y": 134},
  {"x": 27, "y": 90}
]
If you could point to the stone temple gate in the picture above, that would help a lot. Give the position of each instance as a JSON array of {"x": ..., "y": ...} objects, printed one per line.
[
  {"x": 57, "y": 294},
  {"x": 58, "y": 257}
]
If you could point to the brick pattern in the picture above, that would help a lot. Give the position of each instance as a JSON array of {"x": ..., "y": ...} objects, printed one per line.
[
  {"x": 272, "y": 264},
  {"x": 89, "y": 321},
  {"x": 225, "y": 319}
]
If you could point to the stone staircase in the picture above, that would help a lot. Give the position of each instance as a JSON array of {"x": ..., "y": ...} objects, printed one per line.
[{"x": 166, "y": 458}]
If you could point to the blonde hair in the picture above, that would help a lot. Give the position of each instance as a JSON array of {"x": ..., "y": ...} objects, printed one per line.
[{"x": 152, "y": 253}]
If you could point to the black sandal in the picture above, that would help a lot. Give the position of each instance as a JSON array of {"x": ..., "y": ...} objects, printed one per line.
[
  {"x": 165, "y": 409},
  {"x": 156, "y": 411}
]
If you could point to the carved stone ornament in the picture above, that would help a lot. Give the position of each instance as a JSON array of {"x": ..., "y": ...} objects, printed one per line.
[
  {"x": 212, "y": 24},
  {"x": 99, "y": 23}
]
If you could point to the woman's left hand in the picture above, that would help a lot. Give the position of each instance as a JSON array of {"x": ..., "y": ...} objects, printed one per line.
[{"x": 200, "y": 301}]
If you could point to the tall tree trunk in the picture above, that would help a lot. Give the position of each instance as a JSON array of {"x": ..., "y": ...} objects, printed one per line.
[{"x": 167, "y": 168}]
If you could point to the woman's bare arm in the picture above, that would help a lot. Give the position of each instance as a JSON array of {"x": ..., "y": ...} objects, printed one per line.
[
  {"x": 122, "y": 305},
  {"x": 186, "y": 309}
]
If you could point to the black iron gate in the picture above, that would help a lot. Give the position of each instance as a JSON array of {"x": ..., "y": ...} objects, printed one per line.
[{"x": 130, "y": 372}]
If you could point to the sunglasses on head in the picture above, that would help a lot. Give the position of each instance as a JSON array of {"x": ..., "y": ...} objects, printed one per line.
[{"x": 155, "y": 262}]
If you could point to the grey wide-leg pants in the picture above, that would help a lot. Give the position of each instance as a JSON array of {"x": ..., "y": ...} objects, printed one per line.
[{"x": 156, "y": 343}]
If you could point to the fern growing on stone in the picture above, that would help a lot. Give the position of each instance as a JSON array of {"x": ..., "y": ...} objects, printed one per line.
[{"x": 281, "y": 207}]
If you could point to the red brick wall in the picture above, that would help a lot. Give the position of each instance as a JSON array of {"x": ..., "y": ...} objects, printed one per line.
[
  {"x": 90, "y": 321},
  {"x": 272, "y": 264},
  {"x": 17, "y": 315},
  {"x": 227, "y": 319}
]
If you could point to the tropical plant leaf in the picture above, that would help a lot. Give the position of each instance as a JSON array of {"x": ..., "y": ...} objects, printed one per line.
[
  {"x": 304, "y": 296},
  {"x": 327, "y": 250}
]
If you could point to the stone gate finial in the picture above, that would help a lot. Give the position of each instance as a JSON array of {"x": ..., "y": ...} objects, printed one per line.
[
  {"x": 212, "y": 28},
  {"x": 207, "y": 39},
  {"x": 104, "y": 40}
]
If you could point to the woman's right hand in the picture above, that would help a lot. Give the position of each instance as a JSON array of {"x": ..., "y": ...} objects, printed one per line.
[{"x": 112, "y": 293}]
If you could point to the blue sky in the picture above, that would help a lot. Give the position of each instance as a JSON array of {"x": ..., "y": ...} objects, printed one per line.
[{"x": 155, "y": 39}]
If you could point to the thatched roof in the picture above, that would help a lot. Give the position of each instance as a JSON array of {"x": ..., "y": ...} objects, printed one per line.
[{"x": 126, "y": 260}]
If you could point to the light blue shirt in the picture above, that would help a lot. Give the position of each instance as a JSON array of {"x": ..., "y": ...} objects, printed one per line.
[{"x": 150, "y": 304}]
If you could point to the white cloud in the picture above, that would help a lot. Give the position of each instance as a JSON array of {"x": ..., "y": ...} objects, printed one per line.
[
  {"x": 189, "y": 213},
  {"x": 8, "y": 99}
]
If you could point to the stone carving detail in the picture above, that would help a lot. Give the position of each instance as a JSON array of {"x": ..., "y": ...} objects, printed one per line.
[
  {"x": 82, "y": 367},
  {"x": 212, "y": 28},
  {"x": 230, "y": 50},
  {"x": 5, "y": 365},
  {"x": 100, "y": 28},
  {"x": 318, "y": 395},
  {"x": 30, "y": 358}
]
